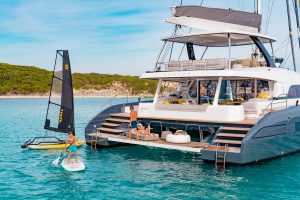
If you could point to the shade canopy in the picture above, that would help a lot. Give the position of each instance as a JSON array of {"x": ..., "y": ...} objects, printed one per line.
[
  {"x": 220, "y": 15},
  {"x": 220, "y": 39}
]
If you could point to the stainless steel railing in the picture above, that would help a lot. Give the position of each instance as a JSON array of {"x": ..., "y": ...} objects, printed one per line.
[
  {"x": 213, "y": 64},
  {"x": 118, "y": 96},
  {"x": 274, "y": 101}
]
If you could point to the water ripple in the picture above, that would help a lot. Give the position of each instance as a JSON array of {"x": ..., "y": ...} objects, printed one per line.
[{"x": 126, "y": 172}]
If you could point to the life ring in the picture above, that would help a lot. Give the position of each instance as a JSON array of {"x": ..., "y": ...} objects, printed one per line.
[{"x": 178, "y": 139}]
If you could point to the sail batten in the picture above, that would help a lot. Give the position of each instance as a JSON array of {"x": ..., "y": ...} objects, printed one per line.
[{"x": 60, "y": 113}]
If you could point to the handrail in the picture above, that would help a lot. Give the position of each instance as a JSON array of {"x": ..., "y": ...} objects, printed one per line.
[
  {"x": 157, "y": 122},
  {"x": 220, "y": 63},
  {"x": 276, "y": 98},
  {"x": 110, "y": 100},
  {"x": 226, "y": 149},
  {"x": 216, "y": 160}
]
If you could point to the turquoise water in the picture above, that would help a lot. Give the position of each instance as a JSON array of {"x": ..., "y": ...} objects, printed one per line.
[{"x": 126, "y": 172}]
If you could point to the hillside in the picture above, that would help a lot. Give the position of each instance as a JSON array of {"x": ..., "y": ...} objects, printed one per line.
[{"x": 29, "y": 80}]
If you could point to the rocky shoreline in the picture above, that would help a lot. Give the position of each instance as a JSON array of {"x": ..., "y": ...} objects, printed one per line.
[{"x": 91, "y": 93}]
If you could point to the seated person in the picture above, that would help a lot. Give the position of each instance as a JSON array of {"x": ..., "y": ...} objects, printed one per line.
[
  {"x": 264, "y": 94},
  {"x": 141, "y": 130},
  {"x": 174, "y": 96}
]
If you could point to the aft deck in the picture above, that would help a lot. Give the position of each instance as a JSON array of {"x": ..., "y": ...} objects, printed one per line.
[
  {"x": 114, "y": 128},
  {"x": 247, "y": 121},
  {"x": 194, "y": 147}
]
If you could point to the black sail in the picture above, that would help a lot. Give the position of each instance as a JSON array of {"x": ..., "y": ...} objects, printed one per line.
[{"x": 60, "y": 112}]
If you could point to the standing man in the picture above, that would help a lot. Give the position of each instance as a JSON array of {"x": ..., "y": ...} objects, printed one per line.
[{"x": 133, "y": 121}]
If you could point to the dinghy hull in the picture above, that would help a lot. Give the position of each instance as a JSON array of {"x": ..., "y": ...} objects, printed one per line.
[{"x": 53, "y": 145}]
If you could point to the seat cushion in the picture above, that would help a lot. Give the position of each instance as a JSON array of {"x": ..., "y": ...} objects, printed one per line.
[{"x": 164, "y": 134}]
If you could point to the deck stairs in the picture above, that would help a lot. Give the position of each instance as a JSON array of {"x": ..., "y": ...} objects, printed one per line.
[
  {"x": 116, "y": 124},
  {"x": 230, "y": 136},
  {"x": 185, "y": 88}
]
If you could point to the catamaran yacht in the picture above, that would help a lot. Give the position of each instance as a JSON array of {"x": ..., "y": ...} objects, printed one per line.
[{"x": 228, "y": 109}]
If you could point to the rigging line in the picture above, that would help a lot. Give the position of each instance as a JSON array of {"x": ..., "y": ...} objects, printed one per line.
[
  {"x": 166, "y": 51},
  {"x": 268, "y": 10},
  {"x": 290, "y": 33},
  {"x": 183, "y": 47},
  {"x": 282, "y": 43},
  {"x": 172, "y": 45},
  {"x": 286, "y": 60},
  {"x": 286, "y": 50},
  {"x": 168, "y": 46},
  {"x": 286, "y": 57},
  {"x": 269, "y": 17},
  {"x": 184, "y": 32},
  {"x": 243, "y": 4},
  {"x": 240, "y": 5},
  {"x": 296, "y": 5},
  {"x": 201, "y": 3},
  {"x": 173, "y": 3}
]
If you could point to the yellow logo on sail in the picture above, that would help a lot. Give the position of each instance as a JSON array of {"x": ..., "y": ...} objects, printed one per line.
[
  {"x": 66, "y": 66},
  {"x": 61, "y": 115}
]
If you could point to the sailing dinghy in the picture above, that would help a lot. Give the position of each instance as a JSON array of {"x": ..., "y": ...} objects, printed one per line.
[
  {"x": 60, "y": 112},
  {"x": 48, "y": 142}
]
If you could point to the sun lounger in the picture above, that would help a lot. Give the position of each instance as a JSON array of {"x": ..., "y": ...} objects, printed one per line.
[{"x": 150, "y": 137}]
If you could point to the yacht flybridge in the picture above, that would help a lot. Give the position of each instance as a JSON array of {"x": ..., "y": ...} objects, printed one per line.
[{"x": 208, "y": 101}]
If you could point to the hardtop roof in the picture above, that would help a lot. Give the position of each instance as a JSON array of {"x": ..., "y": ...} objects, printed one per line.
[{"x": 220, "y": 38}]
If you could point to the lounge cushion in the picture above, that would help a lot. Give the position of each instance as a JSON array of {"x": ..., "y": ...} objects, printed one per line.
[
  {"x": 151, "y": 137},
  {"x": 164, "y": 134}
]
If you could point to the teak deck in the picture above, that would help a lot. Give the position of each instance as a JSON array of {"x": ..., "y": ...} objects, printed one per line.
[
  {"x": 190, "y": 147},
  {"x": 243, "y": 122}
]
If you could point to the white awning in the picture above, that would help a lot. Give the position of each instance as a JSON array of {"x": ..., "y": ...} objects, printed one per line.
[{"x": 220, "y": 38}]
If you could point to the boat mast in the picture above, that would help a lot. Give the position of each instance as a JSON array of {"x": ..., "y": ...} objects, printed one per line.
[
  {"x": 258, "y": 11},
  {"x": 258, "y": 7},
  {"x": 297, "y": 18},
  {"x": 290, "y": 33}
]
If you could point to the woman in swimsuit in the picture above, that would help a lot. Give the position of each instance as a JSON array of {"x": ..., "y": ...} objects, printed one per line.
[{"x": 141, "y": 130}]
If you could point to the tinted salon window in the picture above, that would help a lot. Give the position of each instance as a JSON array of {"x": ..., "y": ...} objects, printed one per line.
[{"x": 294, "y": 91}]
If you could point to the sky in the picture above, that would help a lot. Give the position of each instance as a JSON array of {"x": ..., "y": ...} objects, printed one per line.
[{"x": 109, "y": 36}]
